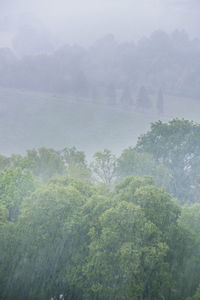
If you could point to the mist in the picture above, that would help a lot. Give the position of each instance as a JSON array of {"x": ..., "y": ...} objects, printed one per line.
[
  {"x": 82, "y": 22},
  {"x": 99, "y": 150}
]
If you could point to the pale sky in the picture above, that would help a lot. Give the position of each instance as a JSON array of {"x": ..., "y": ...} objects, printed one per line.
[{"x": 84, "y": 21}]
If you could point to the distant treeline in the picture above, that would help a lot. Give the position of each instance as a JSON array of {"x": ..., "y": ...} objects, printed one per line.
[
  {"x": 110, "y": 70},
  {"x": 73, "y": 230}
]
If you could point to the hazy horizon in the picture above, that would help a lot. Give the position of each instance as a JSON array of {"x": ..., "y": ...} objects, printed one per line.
[{"x": 61, "y": 22}]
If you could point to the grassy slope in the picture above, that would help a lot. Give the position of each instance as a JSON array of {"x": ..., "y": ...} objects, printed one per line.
[{"x": 29, "y": 119}]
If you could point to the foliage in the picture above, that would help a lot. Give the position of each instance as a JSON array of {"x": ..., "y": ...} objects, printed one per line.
[
  {"x": 75, "y": 163},
  {"x": 68, "y": 236},
  {"x": 142, "y": 164},
  {"x": 175, "y": 144},
  {"x": 47, "y": 238},
  {"x": 44, "y": 163},
  {"x": 196, "y": 295},
  {"x": 190, "y": 221},
  {"x": 104, "y": 165},
  {"x": 15, "y": 185}
]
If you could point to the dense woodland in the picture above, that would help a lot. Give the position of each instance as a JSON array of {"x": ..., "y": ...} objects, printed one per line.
[
  {"x": 119, "y": 72},
  {"x": 122, "y": 227}
]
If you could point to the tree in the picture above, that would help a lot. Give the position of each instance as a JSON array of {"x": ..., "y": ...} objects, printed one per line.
[
  {"x": 123, "y": 254},
  {"x": 12, "y": 162},
  {"x": 47, "y": 240},
  {"x": 15, "y": 185},
  {"x": 104, "y": 165},
  {"x": 190, "y": 276},
  {"x": 75, "y": 163},
  {"x": 196, "y": 295},
  {"x": 160, "y": 209},
  {"x": 4, "y": 162},
  {"x": 130, "y": 244},
  {"x": 8, "y": 252},
  {"x": 132, "y": 163},
  {"x": 3, "y": 214},
  {"x": 175, "y": 144},
  {"x": 143, "y": 101},
  {"x": 44, "y": 163}
]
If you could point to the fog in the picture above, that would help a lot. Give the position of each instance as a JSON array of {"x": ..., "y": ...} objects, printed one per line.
[
  {"x": 94, "y": 53},
  {"x": 99, "y": 149},
  {"x": 82, "y": 22}
]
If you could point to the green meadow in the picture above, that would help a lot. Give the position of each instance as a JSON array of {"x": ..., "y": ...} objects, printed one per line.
[{"x": 32, "y": 119}]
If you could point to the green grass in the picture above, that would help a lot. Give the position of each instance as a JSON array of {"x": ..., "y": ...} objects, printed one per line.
[{"x": 31, "y": 120}]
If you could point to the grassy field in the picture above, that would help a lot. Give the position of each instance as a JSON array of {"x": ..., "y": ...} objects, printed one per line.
[{"x": 31, "y": 120}]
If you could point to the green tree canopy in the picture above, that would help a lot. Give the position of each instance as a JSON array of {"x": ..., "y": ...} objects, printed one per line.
[
  {"x": 175, "y": 144},
  {"x": 15, "y": 186},
  {"x": 104, "y": 166},
  {"x": 132, "y": 163}
]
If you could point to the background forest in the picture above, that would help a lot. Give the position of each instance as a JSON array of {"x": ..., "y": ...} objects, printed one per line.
[
  {"x": 103, "y": 96},
  {"x": 108, "y": 69}
]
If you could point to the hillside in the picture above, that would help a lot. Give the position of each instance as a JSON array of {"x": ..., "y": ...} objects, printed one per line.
[{"x": 30, "y": 119}]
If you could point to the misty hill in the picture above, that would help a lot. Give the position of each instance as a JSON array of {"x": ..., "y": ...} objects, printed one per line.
[{"x": 33, "y": 119}]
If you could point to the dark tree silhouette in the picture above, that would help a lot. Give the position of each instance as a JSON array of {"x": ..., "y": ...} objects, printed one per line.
[{"x": 143, "y": 100}]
